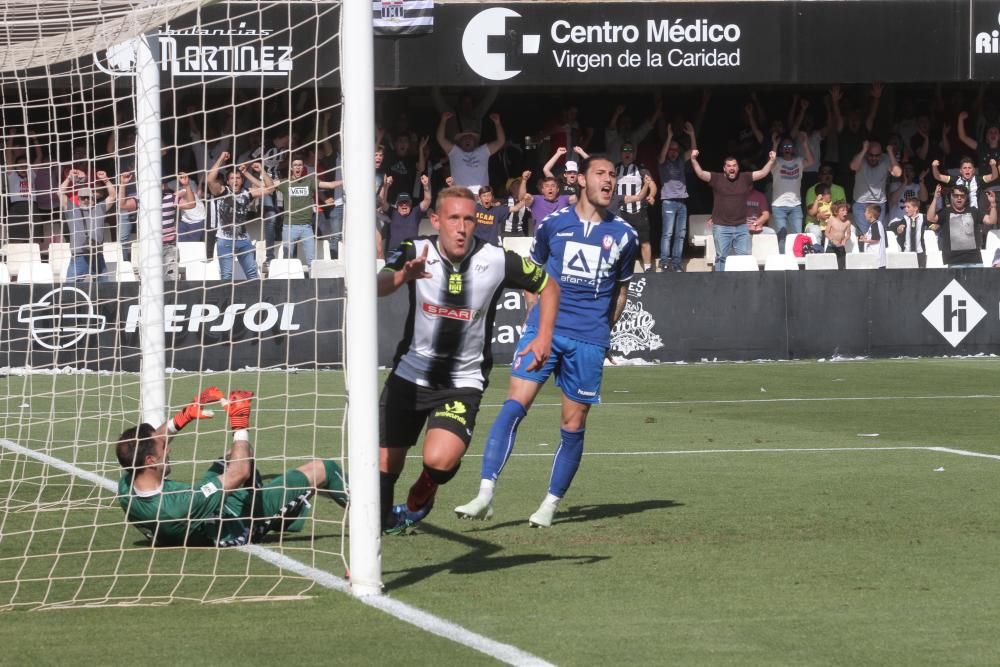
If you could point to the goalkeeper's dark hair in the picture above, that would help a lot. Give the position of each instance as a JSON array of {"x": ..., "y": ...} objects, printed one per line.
[{"x": 134, "y": 445}]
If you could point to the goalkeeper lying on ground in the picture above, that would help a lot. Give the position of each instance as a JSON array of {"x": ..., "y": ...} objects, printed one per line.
[{"x": 229, "y": 506}]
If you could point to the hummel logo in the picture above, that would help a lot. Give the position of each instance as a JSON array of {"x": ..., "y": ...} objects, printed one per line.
[
  {"x": 564, "y": 234},
  {"x": 954, "y": 313}
]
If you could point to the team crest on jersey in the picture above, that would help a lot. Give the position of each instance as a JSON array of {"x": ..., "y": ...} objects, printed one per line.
[
  {"x": 607, "y": 242},
  {"x": 455, "y": 283}
]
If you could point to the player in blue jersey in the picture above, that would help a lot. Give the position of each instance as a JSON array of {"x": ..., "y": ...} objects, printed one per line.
[{"x": 592, "y": 252}]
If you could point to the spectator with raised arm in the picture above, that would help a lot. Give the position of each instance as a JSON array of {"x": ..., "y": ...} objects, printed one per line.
[
  {"x": 404, "y": 217},
  {"x": 673, "y": 197},
  {"x": 968, "y": 176},
  {"x": 960, "y": 227},
  {"x": 469, "y": 160},
  {"x": 191, "y": 226},
  {"x": 549, "y": 201},
  {"x": 729, "y": 207},
  {"x": 786, "y": 204},
  {"x": 491, "y": 215},
  {"x": 299, "y": 193},
  {"x": 988, "y": 150},
  {"x": 872, "y": 168},
  {"x": 620, "y": 130},
  {"x": 232, "y": 207},
  {"x": 85, "y": 219},
  {"x": 567, "y": 186}
]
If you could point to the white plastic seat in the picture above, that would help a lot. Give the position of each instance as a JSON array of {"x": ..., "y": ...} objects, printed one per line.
[
  {"x": 784, "y": 262},
  {"x": 4, "y": 274},
  {"x": 741, "y": 263},
  {"x": 763, "y": 246},
  {"x": 60, "y": 256},
  {"x": 698, "y": 230},
  {"x": 931, "y": 242},
  {"x": 17, "y": 255},
  {"x": 821, "y": 261},
  {"x": 324, "y": 250},
  {"x": 124, "y": 272},
  {"x": 901, "y": 260},
  {"x": 992, "y": 242},
  {"x": 519, "y": 244},
  {"x": 861, "y": 260},
  {"x": 202, "y": 271},
  {"x": 327, "y": 268},
  {"x": 285, "y": 269},
  {"x": 190, "y": 251},
  {"x": 35, "y": 272},
  {"x": 112, "y": 251},
  {"x": 935, "y": 260}
]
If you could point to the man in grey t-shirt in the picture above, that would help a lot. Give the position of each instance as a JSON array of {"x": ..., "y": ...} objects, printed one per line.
[
  {"x": 871, "y": 169},
  {"x": 468, "y": 159},
  {"x": 84, "y": 216}
]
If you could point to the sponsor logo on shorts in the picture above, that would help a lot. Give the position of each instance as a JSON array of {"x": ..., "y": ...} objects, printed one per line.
[
  {"x": 564, "y": 233},
  {"x": 584, "y": 392},
  {"x": 452, "y": 313},
  {"x": 454, "y": 410},
  {"x": 208, "y": 489}
]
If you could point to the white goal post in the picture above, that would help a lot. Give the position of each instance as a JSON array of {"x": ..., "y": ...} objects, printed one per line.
[{"x": 122, "y": 318}]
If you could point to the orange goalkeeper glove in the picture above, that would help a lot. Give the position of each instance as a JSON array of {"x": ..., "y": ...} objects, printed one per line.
[
  {"x": 194, "y": 409},
  {"x": 238, "y": 408}
]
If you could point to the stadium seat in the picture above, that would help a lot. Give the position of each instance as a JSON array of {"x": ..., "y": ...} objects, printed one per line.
[
  {"x": 901, "y": 260},
  {"x": 17, "y": 255},
  {"x": 323, "y": 251},
  {"x": 124, "y": 272},
  {"x": 59, "y": 258},
  {"x": 993, "y": 241},
  {"x": 821, "y": 261},
  {"x": 763, "y": 246},
  {"x": 202, "y": 271},
  {"x": 112, "y": 251},
  {"x": 190, "y": 251},
  {"x": 741, "y": 263},
  {"x": 327, "y": 268},
  {"x": 4, "y": 274},
  {"x": 935, "y": 260},
  {"x": 698, "y": 230},
  {"x": 519, "y": 244},
  {"x": 285, "y": 269},
  {"x": 35, "y": 272},
  {"x": 931, "y": 241},
  {"x": 861, "y": 260},
  {"x": 781, "y": 263}
]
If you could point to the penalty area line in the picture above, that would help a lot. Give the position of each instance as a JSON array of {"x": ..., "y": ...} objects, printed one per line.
[{"x": 421, "y": 619}]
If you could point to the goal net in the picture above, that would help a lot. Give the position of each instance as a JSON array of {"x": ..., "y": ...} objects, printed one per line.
[{"x": 129, "y": 283}]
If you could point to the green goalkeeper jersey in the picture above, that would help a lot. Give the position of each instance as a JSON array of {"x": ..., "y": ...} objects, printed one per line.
[{"x": 181, "y": 514}]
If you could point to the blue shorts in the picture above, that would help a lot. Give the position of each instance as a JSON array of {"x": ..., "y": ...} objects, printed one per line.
[{"x": 578, "y": 366}]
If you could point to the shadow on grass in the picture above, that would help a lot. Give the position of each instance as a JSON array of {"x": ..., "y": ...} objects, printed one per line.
[
  {"x": 483, "y": 556},
  {"x": 576, "y": 513}
]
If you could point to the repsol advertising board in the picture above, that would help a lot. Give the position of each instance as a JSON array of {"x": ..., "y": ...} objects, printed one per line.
[
  {"x": 222, "y": 327},
  {"x": 694, "y": 43}
]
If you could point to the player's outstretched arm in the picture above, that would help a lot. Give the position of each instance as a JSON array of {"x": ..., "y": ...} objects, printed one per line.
[
  {"x": 239, "y": 459},
  {"x": 541, "y": 347},
  {"x": 193, "y": 410},
  {"x": 391, "y": 279}
]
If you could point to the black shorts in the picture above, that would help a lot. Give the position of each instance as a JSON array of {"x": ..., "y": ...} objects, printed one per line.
[
  {"x": 405, "y": 407},
  {"x": 639, "y": 222}
]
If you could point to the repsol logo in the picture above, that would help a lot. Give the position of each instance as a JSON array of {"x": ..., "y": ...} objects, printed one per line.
[{"x": 258, "y": 317}]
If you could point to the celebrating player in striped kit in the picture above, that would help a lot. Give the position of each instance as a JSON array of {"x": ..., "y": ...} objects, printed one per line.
[
  {"x": 443, "y": 362},
  {"x": 593, "y": 253}
]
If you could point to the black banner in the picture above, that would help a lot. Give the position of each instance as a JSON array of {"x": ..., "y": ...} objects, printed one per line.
[
  {"x": 669, "y": 317},
  {"x": 685, "y": 43},
  {"x": 226, "y": 326}
]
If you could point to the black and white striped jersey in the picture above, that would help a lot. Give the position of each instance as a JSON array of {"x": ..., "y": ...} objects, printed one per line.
[
  {"x": 446, "y": 340},
  {"x": 629, "y": 184}
]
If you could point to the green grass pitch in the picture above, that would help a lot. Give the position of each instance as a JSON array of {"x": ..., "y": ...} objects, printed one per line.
[{"x": 724, "y": 514}]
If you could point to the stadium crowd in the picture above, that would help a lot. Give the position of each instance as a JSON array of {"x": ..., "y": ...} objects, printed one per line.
[{"x": 870, "y": 167}]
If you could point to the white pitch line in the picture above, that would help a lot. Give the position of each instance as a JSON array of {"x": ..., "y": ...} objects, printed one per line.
[
  {"x": 428, "y": 622},
  {"x": 756, "y": 450},
  {"x": 750, "y": 401},
  {"x": 965, "y": 452}
]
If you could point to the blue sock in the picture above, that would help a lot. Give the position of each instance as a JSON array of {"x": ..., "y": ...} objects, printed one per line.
[
  {"x": 566, "y": 462},
  {"x": 500, "y": 441}
]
